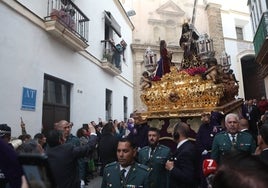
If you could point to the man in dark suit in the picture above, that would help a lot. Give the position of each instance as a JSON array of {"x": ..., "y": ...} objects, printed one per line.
[
  {"x": 108, "y": 145},
  {"x": 263, "y": 144},
  {"x": 66, "y": 128},
  {"x": 139, "y": 135},
  {"x": 183, "y": 165},
  {"x": 252, "y": 114},
  {"x": 243, "y": 125},
  {"x": 211, "y": 124},
  {"x": 126, "y": 172},
  {"x": 155, "y": 156},
  {"x": 62, "y": 157}
]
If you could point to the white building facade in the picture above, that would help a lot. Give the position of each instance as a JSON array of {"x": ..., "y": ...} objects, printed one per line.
[
  {"x": 69, "y": 66},
  {"x": 237, "y": 34}
]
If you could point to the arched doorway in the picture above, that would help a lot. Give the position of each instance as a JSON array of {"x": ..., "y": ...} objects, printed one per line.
[{"x": 253, "y": 84}]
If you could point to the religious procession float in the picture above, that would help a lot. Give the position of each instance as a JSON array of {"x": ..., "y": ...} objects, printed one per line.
[{"x": 199, "y": 84}]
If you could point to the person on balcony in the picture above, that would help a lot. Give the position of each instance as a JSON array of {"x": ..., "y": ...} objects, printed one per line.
[{"x": 117, "y": 55}]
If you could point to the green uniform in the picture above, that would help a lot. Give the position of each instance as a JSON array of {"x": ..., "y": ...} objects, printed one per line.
[
  {"x": 71, "y": 139},
  {"x": 137, "y": 176},
  {"x": 156, "y": 162},
  {"x": 222, "y": 144}
]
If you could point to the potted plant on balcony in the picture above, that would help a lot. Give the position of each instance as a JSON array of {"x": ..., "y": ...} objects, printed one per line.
[{"x": 107, "y": 57}]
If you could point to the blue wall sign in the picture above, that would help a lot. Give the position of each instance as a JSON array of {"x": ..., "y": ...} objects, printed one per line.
[{"x": 28, "y": 99}]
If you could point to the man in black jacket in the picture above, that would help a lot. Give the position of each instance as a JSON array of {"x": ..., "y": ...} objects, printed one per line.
[
  {"x": 263, "y": 143},
  {"x": 183, "y": 165},
  {"x": 62, "y": 158},
  {"x": 252, "y": 114},
  {"x": 107, "y": 146}
]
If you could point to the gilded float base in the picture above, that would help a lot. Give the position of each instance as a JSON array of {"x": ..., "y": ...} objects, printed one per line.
[{"x": 193, "y": 112}]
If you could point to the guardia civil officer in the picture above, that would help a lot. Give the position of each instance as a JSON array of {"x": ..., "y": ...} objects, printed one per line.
[
  {"x": 155, "y": 156},
  {"x": 126, "y": 173},
  {"x": 231, "y": 139}
]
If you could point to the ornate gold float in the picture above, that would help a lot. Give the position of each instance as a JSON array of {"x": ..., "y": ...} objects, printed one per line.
[
  {"x": 179, "y": 94},
  {"x": 200, "y": 84}
]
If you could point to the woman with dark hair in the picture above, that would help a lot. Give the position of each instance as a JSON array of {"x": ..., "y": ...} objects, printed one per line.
[
  {"x": 41, "y": 139},
  {"x": 165, "y": 60},
  {"x": 108, "y": 145},
  {"x": 30, "y": 146}
]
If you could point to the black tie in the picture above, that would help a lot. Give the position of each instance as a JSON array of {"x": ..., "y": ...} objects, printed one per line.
[
  {"x": 152, "y": 152},
  {"x": 233, "y": 142},
  {"x": 123, "y": 174}
]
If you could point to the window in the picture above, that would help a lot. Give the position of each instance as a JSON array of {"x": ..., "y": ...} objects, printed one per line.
[
  {"x": 239, "y": 33},
  {"x": 108, "y": 104},
  {"x": 108, "y": 32},
  {"x": 111, "y": 24},
  {"x": 257, "y": 11},
  {"x": 170, "y": 31},
  {"x": 56, "y": 91},
  {"x": 112, "y": 51},
  {"x": 156, "y": 35},
  {"x": 252, "y": 22}
]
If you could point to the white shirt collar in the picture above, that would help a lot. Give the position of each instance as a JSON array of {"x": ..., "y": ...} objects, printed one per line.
[
  {"x": 126, "y": 168},
  {"x": 182, "y": 142},
  {"x": 230, "y": 136}
]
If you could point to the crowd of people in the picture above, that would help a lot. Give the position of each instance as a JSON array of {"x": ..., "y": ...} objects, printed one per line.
[{"x": 130, "y": 154}]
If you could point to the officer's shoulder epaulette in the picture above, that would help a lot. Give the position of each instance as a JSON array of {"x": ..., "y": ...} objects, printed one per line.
[
  {"x": 164, "y": 147},
  {"x": 144, "y": 148},
  {"x": 111, "y": 164},
  {"x": 244, "y": 133},
  {"x": 220, "y": 133},
  {"x": 143, "y": 167}
]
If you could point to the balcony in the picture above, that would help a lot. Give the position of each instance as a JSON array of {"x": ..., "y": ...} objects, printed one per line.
[
  {"x": 261, "y": 40},
  {"x": 111, "y": 60},
  {"x": 68, "y": 23}
]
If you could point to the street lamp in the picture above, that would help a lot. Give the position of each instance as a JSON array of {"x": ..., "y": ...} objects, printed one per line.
[
  {"x": 150, "y": 60},
  {"x": 225, "y": 62},
  {"x": 205, "y": 48}
]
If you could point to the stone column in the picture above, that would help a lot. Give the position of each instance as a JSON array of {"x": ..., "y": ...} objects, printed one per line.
[
  {"x": 138, "y": 69},
  {"x": 215, "y": 28}
]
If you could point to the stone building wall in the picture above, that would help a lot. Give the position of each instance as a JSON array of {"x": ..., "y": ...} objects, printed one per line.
[{"x": 215, "y": 28}]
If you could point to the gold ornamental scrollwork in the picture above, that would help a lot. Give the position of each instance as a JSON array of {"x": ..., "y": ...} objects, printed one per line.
[
  {"x": 179, "y": 90},
  {"x": 156, "y": 123}
]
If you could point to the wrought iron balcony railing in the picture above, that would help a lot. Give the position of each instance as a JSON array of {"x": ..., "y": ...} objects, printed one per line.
[
  {"x": 112, "y": 53},
  {"x": 68, "y": 14}
]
